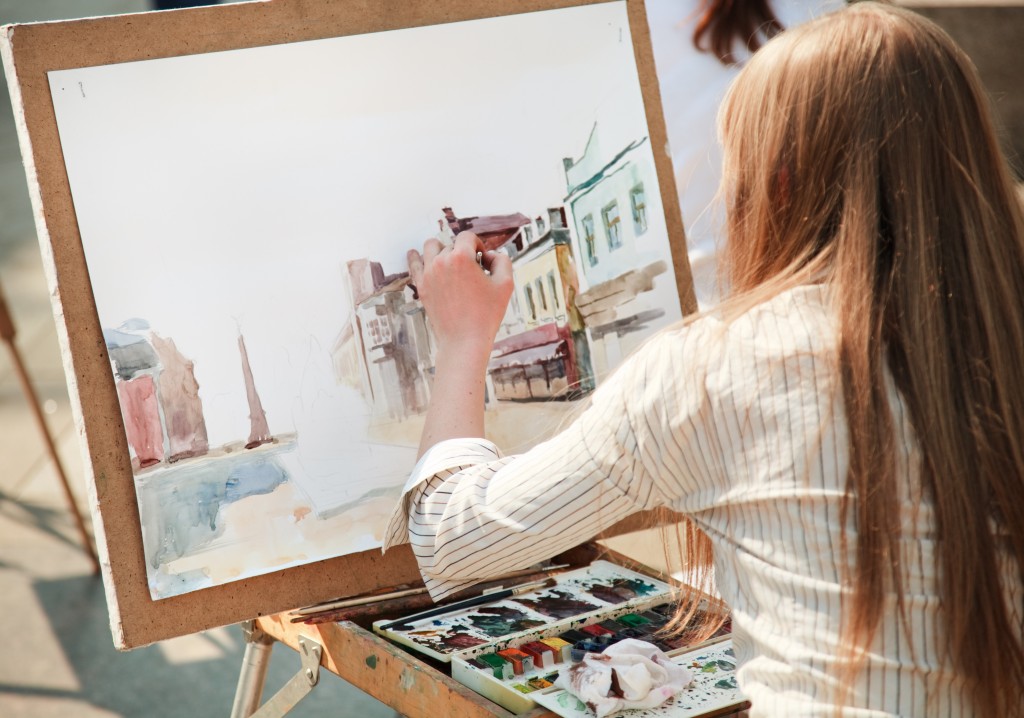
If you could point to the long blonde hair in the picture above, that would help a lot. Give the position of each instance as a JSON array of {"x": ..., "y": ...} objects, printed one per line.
[{"x": 860, "y": 151}]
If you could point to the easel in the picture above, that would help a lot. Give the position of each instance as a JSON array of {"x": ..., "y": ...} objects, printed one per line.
[
  {"x": 7, "y": 334},
  {"x": 368, "y": 662},
  {"x": 30, "y": 53}
]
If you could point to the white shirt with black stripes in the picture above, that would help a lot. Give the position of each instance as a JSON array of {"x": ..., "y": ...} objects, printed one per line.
[{"x": 741, "y": 427}]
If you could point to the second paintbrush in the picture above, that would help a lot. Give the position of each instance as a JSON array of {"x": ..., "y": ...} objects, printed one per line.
[{"x": 403, "y": 624}]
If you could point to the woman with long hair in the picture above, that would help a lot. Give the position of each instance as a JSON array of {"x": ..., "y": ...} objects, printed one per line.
[{"x": 847, "y": 428}]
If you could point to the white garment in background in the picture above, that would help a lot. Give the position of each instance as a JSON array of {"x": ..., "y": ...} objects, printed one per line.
[{"x": 692, "y": 86}]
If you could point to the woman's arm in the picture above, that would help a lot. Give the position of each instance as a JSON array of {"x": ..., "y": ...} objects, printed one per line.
[
  {"x": 471, "y": 514},
  {"x": 465, "y": 301}
]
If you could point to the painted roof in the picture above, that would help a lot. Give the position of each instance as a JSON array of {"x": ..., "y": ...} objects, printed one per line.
[{"x": 493, "y": 229}]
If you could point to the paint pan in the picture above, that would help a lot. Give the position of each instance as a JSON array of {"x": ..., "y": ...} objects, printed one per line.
[
  {"x": 521, "y": 661},
  {"x": 633, "y": 620},
  {"x": 564, "y": 648},
  {"x": 543, "y": 654},
  {"x": 500, "y": 667},
  {"x": 575, "y": 636}
]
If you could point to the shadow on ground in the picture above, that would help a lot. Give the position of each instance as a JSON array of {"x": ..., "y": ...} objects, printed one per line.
[{"x": 189, "y": 676}]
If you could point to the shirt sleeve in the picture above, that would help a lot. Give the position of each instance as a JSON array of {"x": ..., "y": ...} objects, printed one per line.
[{"x": 471, "y": 513}]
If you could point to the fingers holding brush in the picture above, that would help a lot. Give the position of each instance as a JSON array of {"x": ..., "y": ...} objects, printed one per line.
[{"x": 464, "y": 289}]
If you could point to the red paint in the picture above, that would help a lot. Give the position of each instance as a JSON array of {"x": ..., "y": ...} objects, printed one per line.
[
  {"x": 142, "y": 419},
  {"x": 543, "y": 655},
  {"x": 521, "y": 662}
]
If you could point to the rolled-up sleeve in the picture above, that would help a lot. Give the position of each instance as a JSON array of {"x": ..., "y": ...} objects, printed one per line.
[{"x": 470, "y": 513}]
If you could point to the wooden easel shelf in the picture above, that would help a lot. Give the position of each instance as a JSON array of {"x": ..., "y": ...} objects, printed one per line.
[{"x": 386, "y": 671}]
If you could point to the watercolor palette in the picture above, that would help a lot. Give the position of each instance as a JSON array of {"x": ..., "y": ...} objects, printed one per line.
[
  {"x": 599, "y": 591},
  {"x": 511, "y": 650},
  {"x": 713, "y": 689},
  {"x": 509, "y": 679}
]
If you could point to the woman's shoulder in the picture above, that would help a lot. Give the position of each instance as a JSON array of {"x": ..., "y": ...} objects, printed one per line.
[
  {"x": 799, "y": 309},
  {"x": 794, "y": 322}
]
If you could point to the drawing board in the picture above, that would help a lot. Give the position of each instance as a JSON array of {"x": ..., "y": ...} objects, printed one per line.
[{"x": 225, "y": 215}]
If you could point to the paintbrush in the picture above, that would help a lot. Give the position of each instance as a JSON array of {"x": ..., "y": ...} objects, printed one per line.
[
  {"x": 372, "y": 607},
  {"x": 405, "y": 623},
  {"x": 395, "y": 600},
  {"x": 360, "y": 601}
]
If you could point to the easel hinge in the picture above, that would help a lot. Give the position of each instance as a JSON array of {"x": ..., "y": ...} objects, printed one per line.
[{"x": 299, "y": 685}]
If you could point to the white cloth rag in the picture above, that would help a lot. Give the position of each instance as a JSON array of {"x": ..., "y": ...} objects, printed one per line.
[{"x": 629, "y": 674}]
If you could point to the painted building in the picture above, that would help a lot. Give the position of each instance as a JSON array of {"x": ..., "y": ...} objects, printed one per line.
[
  {"x": 182, "y": 406},
  {"x": 620, "y": 246},
  {"x": 493, "y": 230},
  {"x": 541, "y": 351},
  {"x": 159, "y": 397},
  {"x": 385, "y": 348}
]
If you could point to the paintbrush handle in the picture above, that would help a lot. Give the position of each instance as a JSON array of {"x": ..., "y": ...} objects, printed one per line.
[
  {"x": 468, "y": 603},
  {"x": 369, "y": 611},
  {"x": 352, "y": 602},
  {"x": 374, "y": 610}
]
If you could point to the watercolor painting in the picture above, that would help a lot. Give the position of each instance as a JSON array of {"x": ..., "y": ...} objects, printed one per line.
[{"x": 246, "y": 218}]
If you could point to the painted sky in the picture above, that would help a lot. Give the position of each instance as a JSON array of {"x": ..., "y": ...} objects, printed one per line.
[{"x": 223, "y": 192}]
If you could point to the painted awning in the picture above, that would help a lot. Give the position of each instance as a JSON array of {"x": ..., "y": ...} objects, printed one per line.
[{"x": 529, "y": 356}]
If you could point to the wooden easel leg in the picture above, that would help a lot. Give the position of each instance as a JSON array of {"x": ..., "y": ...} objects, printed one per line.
[
  {"x": 254, "y": 671},
  {"x": 7, "y": 334}
]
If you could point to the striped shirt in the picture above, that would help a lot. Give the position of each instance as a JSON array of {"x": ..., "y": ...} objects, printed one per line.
[{"x": 740, "y": 426}]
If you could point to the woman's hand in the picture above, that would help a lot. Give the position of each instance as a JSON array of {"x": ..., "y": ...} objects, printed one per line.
[{"x": 465, "y": 299}]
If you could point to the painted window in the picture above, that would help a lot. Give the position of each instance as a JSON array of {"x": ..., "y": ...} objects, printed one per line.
[
  {"x": 539, "y": 288},
  {"x": 380, "y": 330},
  {"x": 587, "y": 225},
  {"x": 638, "y": 201},
  {"x": 612, "y": 225},
  {"x": 527, "y": 234},
  {"x": 540, "y": 225},
  {"x": 529, "y": 302},
  {"x": 513, "y": 315},
  {"x": 553, "y": 286}
]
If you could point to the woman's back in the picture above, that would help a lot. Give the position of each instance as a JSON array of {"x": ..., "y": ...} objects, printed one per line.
[
  {"x": 861, "y": 153},
  {"x": 774, "y": 459}
]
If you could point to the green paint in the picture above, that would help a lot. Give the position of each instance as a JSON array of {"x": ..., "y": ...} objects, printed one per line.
[
  {"x": 371, "y": 661},
  {"x": 709, "y": 668},
  {"x": 568, "y": 700}
]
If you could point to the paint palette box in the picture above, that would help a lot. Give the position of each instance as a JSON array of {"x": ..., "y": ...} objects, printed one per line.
[
  {"x": 713, "y": 690},
  {"x": 601, "y": 590},
  {"x": 519, "y": 687},
  {"x": 511, "y": 650}
]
